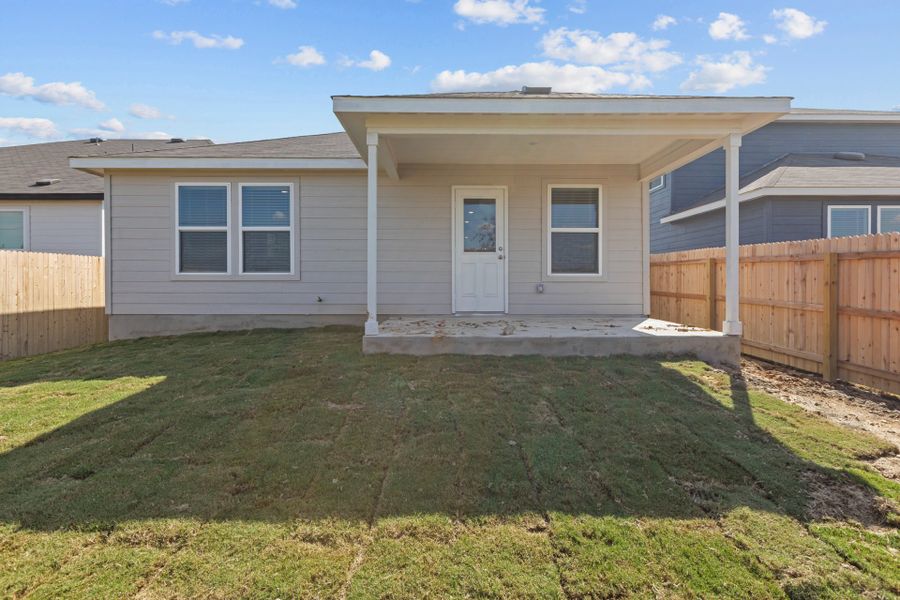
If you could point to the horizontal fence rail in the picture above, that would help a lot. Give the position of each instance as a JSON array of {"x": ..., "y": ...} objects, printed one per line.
[
  {"x": 50, "y": 302},
  {"x": 829, "y": 306}
]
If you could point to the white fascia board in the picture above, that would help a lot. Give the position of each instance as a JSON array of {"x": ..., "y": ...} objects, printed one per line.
[
  {"x": 648, "y": 105},
  {"x": 769, "y": 191},
  {"x": 132, "y": 162},
  {"x": 841, "y": 117}
]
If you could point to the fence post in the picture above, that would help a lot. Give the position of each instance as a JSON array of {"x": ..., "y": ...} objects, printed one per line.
[
  {"x": 830, "y": 316},
  {"x": 711, "y": 292}
]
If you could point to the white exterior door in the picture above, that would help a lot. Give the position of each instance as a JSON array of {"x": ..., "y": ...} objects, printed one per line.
[{"x": 480, "y": 246}]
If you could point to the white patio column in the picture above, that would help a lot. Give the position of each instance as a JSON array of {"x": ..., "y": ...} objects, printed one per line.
[
  {"x": 732, "y": 324},
  {"x": 372, "y": 238}
]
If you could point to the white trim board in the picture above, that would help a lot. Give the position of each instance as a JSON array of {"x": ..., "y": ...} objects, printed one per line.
[
  {"x": 134, "y": 162},
  {"x": 769, "y": 191}
]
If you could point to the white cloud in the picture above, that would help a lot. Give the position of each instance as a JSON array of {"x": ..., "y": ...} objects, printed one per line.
[
  {"x": 499, "y": 12},
  {"x": 19, "y": 85},
  {"x": 145, "y": 111},
  {"x": 113, "y": 125},
  {"x": 625, "y": 51},
  {"x": 798, "y": 25},
  {"x": 200, "y": 41},
  {"x": 174, "y": 2},
  {"x": 565, "y": 78},
  {"x": 579, "y": 7},
  {"x": 32, "y": 127},
  {"x": 770, "y": 39},
  {"x": 378, "y": 61},
  {"x": 306, "y": 56},
  {"x": 101, "y": 132},
  {"x": 720, "y": 76},
  {"x": 285, "y": 4},
  {"x": 663, "y": 22},
  {"x": 728, "y": 27}
]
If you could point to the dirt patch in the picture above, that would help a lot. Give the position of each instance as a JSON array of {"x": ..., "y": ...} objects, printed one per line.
[
  {"x": 841, "y": 500},
  {"x": 841, "y": 403}
]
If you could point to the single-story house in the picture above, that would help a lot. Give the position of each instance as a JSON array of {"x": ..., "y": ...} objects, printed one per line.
[
  {"x": 428, "y": 211},
  {"x": 811, "y": 174},
  {"x": 47, "y": 206}
]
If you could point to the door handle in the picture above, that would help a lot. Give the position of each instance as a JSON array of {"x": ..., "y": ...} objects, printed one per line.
[{"x": 500, "y": 257}]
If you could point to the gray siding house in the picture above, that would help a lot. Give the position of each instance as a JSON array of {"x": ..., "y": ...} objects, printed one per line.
[
  {"x": 810, "y": 174},
  {"x": 427, "y": 210}
]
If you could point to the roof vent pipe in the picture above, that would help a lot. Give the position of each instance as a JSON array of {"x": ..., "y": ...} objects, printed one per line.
[
  {"x": 176, "y": 141},
  {"x": 857, "y": 156},
  {"x": 46, "y": 181},
  {"x": 536, "y": 91},
  {"x": 96, "y": 140}
]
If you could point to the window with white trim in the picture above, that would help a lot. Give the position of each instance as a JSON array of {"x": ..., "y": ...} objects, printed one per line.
[
  {"x": 849, "y": 220},
  {"x": 12, "y": 229},
  {"x": 203, "y": 238},
  {"x": 575, "y": 226},
  {"x": 657, "y": 183},
  {"x": 266, "y": 228},
  {"x": 888, "y": 219}
]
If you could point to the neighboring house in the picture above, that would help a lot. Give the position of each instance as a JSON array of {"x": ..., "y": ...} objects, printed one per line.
[
  {"x": 811, "y": 174},
  {"x": 47, "y": 206},
  {"x": 518, "y": 203}
]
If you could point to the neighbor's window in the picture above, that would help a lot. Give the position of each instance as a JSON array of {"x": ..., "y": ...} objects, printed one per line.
[
  {"x": 657, "y": 183},
  {"x": 266, "y": 228},
  {"x": 888, "y": 219},
  {"x": 12, "y": 229},
  {"x": 848, "y": 220},
  {"x": 575, "y": 226},
  {"x": 203, "y": 240}
]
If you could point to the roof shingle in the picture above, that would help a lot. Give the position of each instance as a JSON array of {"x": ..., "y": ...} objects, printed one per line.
[{"x": 22, "y": 166}]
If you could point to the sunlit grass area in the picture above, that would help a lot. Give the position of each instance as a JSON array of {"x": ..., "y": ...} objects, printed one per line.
[{"x": 287, "y": 464}]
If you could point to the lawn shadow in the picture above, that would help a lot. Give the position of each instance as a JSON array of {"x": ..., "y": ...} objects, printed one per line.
[{"x": 287, "y": 425}]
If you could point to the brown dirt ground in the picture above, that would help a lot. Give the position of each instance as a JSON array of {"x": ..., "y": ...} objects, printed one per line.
[{"x": 841, "y": 403}]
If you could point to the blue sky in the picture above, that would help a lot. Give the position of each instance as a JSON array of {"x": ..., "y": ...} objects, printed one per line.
[{"x": 252, "y": 69}]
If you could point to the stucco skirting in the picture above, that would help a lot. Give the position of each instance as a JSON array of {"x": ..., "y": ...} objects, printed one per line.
[{"x": 134, "y": 326}]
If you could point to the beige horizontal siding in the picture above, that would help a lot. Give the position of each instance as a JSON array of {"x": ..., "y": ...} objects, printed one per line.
[{"x": 414, "y": 245}]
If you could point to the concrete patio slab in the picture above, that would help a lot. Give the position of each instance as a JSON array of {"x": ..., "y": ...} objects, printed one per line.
[{"x": 549, "y": 336}]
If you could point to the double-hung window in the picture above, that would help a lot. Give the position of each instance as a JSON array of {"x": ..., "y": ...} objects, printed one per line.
[
  {"x": 13, "y": 228},
  {"x": 203, "y": 238},
  {"x": 888, "y": 219},
  {"x": 575, "y": 234},
  {"x": 267, "y": 230},
  {"x": 848, "y": 220}
]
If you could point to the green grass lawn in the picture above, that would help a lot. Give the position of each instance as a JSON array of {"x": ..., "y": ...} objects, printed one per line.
[{"x": 287, "y": 464}]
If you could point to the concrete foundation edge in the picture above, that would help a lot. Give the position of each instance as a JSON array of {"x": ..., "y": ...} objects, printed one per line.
[
  {"x": 725, "y": 350},
  {"x": 123, "y": 327}
]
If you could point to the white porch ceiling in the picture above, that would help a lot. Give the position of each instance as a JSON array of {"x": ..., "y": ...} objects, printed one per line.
[{"x": 500, "y": 149}]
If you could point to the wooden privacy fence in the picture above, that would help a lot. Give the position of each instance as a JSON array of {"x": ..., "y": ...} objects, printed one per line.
[
  {"x": 50, "y": 302},
  {"x": 829, "y": 306}
]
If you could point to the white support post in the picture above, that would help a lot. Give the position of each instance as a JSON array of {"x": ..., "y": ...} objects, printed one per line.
[
  {"x": 372, "y": 238},
  {"x": 732, "y": 324}
]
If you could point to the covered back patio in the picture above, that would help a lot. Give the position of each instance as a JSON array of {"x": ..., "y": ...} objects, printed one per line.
[{"x": 548, "y": 202}]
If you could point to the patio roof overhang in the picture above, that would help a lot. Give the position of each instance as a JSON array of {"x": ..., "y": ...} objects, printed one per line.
[{"x": 654, "y": 133}]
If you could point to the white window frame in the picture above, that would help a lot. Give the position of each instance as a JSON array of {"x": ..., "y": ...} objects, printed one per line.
[
  {"x": 599, "y": 231},
  {"x": 867, "y": 208},
  {"x": 26, "y": 227},
  {"x": 662, "y": 184},
  {"x": 289, "y": 228},
  {"x": 189, "y": 228},
  {"x": 881, "y": 208}
]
